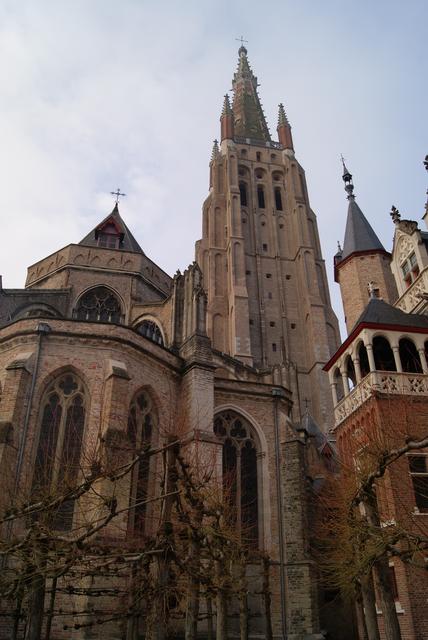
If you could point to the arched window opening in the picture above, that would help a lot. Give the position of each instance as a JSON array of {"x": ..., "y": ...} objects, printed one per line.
[
  {"x": 141, "y": 423},
  {"x": 99, "y": 305},
  {"x": 337, "y": 378},
  {"x": 150, "y": 330},
  {"x": 418, "y": 466},
  {"x": 364, "y": 360},
  {"x": 57, "y": 464},
  {"x": 278, "y": 199},
  {"x": 261, "y": 197},
  {"x": 383, "y": 355},
  {"x": 243, "y": 194},
  {"x": 240, "y": 481},
  {"x": 350, "y": 371},
  {"x": 409, "y": 356}
]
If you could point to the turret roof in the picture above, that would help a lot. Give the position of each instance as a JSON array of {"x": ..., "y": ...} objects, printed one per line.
[
  {"x": 127, "y": 240},
  {"x": 359, "y": 234}
]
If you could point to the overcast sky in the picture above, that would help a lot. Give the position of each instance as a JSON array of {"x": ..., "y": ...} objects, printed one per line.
[{"x": 97, "y": 94}]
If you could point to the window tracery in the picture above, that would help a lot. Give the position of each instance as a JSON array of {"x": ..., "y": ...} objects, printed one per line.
[
  {"x": 149, "y": 329},
  {"x": 99, "y": 305},
  {"x": 240, "y": 481},
  {"x": 140, "y": 433},
  {"x": 57, "y": 463}
]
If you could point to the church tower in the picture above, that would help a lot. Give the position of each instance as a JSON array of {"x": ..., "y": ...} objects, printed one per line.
[
  {"x": 268, "y": 298},
  {"x": 363, "y": 264}
]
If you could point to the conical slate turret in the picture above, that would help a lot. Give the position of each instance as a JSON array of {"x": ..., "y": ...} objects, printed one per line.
[
  {"x": 359, "y": 234},
  {"x": 249, "y": 118}
]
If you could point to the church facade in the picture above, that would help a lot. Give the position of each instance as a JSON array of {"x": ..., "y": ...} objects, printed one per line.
[{"x": 228, "y": 355}]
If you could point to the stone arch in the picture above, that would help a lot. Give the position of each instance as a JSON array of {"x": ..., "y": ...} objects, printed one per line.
[
  {"x": 409, "y": 356},
  {"x": 383, "y": 354},
  {"x": 363, "y": 357},
  {"x": 36, "y": 310}
]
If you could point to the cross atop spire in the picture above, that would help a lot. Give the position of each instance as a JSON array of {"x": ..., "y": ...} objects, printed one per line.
[
  {"x": 347, "y": 179},
  {"x": 118, "y": 194},
  {"x": 241, "y": 40}
]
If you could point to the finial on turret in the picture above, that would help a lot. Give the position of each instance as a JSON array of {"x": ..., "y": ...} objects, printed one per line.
[
  {"x": 373, "y": 289},
  {"x": 215, "y": 151},
  {"x": 339, "y": 248},
  {"x": 227, "y": 109},
  {"x": 242, "y": 50},
  {"x": 395, "y": 215},
  {"x": 426, "y": 162},
  {"x": 282, "y": 116},
  {"x": 347, "y": 179}
]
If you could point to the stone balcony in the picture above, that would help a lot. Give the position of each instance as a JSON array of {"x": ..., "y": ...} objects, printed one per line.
[
  {"x": 390, "y": 382},
  {"x": 414, "y": 299}
]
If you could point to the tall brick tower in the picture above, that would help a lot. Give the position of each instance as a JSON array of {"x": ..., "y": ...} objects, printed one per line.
[
  {"x": 363, "y": 260},
  {"x": 268, "y": 298}
]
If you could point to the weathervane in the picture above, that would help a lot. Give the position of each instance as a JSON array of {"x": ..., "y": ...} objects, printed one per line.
[{"x": 117, "y": 193}]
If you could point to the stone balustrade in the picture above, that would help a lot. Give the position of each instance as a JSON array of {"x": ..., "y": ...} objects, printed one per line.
[
  {"x": 412, "y": 298},
  {"x": 385, "y": 382}
]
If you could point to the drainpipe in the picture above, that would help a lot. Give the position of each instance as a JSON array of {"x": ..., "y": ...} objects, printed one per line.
[
  {"x": 42, "y": 329},
  {"x": 278, "y": 393}
]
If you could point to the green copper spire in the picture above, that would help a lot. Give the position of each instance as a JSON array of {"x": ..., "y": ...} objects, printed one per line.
[{"x": 250, "y": 121}]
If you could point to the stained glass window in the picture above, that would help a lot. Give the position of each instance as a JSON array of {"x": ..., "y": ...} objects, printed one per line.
[
  {"x": 239, "y": 473},
  {"x": 150, "y": 330}
]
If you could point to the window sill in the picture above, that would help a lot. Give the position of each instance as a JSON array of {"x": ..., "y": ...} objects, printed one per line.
[{"x": 398, "y": 608}]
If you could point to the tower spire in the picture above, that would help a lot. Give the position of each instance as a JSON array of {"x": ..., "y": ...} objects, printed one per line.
[
  {"x": 284, "y": 129},
  {"x": 347, "y": 179},
  {"x": 226, "y": 120},
  {"x": 215, "y": 150},
  {"x": 249, "y": 119}
]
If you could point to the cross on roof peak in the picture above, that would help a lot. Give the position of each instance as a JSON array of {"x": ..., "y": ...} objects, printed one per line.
[
  {"x": 118, "y": 194},
  {"x": 241, "y": 40}
]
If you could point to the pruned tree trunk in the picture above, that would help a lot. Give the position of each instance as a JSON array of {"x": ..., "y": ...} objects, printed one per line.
[
  {"x": 192, "y": 610},
  {"x": 368, "y": 608},
  {"x": 383, "y": 586},
  {"x": 221, "y": 622},
  {"x": 36, "y": 607},
  {"x": 243, "y": 602},
  {"x": 210, "y": 625},
  {"x": 267, "y": 599}
]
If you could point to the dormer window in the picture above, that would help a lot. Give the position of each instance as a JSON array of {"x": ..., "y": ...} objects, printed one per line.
[
  {"x": 109, "y": 237},
  {"x": 410, "y": 269}
]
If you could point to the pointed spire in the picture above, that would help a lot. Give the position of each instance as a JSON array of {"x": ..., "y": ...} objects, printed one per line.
[
  {"x": 215, "y": 151},
  {"x": 250, "y": 121},
  {"x": 284, "y": 129},
  {"x": 227, "y": 109},
  {"x": 359, "y": 234},
  {"x": 282, "y": 116}
]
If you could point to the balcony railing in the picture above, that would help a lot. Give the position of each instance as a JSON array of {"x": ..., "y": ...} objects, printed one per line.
[
  {"x": 415, "y": 296},
  {"x": 390, "y": 382}
]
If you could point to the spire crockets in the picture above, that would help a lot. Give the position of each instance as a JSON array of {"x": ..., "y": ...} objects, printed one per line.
[
  {"x": 359, "y": 234},
  {"x": 226, "y": 120},
  {"x": 248, "y": 114},
  {"x": 215, "y": 150},
  {"x": 284, "y": 129}
]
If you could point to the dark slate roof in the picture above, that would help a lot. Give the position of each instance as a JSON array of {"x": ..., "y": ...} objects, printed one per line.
[
  {"x": 359, "y": 235},
  {"x": 128, "y": 242},
  {"x": 380, "y": 312}
]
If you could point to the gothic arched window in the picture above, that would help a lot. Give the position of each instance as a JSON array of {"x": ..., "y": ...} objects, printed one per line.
[
  {"x": 57, "y": 464},
  {"x": 261, "y": 197},
  {"x": 99, "y": 305},
  {"x": 150, "y": 330},
  {"x": 140, "y": 433},
  {"x": 240, "y": 473},
  {"x": 243, "y": 193}
]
